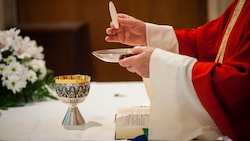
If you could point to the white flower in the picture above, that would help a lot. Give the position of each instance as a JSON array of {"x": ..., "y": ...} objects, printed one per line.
[
  {"x": 7, "y": 38},
  {"x": 10, "y": 59},
  {"x": 38, "y": 66},
  {"x": 14, "y": 77},
  {"x": 13, "y": 67},
  {"x": 14, "y": 83},
  {"x": 21, "y": 61},
  {"x": 28, "y": 48},
  {"x": 31, "y": 75},
  {"x": 37, "y": 53}
]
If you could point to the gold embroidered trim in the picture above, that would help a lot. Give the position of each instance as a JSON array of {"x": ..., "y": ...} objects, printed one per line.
[{"x": 221, "y": 52}]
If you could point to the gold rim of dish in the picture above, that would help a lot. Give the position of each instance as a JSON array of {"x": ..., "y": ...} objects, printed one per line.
[{"x": 69, "y": 79}]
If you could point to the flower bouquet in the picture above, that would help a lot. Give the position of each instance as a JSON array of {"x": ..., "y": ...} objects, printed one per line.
[{"x": 23, "y": 74}]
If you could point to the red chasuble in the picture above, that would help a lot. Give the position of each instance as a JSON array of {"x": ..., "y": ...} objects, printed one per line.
[{"x": 223, "y": 89}]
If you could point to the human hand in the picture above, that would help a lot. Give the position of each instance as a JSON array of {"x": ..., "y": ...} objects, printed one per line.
[
  {"x": 139, "y": 62},
  {"x": 131, "y": 31}
]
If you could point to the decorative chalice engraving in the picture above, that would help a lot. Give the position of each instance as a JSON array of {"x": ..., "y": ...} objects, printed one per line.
[{"x": 72, "y": 90}]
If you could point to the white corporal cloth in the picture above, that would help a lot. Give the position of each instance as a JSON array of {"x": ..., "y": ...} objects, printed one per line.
[{"x": 41, "y": 121}]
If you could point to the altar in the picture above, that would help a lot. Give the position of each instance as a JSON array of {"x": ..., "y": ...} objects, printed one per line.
[{"x": 41, "y": 121}]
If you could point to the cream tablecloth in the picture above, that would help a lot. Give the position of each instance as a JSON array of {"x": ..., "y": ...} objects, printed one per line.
[{"x": 41, "y": 121}]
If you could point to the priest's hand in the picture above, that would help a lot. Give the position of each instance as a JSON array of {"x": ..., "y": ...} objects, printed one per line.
[
  {"x": 131, "y": 31},
  {"x": 139, "y": 61}
]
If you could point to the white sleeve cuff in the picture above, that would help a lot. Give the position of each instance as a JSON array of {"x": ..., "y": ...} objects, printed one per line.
[{"x": 162, "y": 36}]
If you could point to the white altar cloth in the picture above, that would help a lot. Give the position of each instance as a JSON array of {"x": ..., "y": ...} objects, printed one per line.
[{"x": 41, "y": 121}]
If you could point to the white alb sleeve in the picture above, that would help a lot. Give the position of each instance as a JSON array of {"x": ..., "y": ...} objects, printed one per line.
[
  {"x": 161, "y": 36},
  {"x": 175, "y": 110}
]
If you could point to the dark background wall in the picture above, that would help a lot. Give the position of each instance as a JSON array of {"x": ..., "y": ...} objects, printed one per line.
[{"x": 94, "y": 15}]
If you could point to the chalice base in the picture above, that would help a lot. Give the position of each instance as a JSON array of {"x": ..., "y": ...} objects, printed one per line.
[{"x": 73, "y": 118}]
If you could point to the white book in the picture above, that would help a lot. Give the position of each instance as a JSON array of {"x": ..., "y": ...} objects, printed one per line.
[{"x": 131, "y": 122}]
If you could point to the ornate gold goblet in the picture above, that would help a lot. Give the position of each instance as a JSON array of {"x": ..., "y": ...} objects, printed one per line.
[{"x": 72, "y": 90}]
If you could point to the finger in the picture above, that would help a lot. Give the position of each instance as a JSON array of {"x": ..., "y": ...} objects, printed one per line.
[
  {"x": 126, "y": 22},
  {"x": 134, "y": 70},
  {"x": 111, "y": 39},
  {"x": 112, "y": 25},
  {"x": 124, "y": 16},
  {"x": 108, "y": 39},
  {"x": 108, "y": 31},
  {"x": 137, "y": 49},
  {"x": 131, "y": 69},
  {"x": 128, "y": 61},
  {"x": 125, "y": 62},
  {"x": 111, "y": 31}
]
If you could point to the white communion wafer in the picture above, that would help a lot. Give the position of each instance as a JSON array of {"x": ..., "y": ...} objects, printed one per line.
[{"x": 113, "y": 14}]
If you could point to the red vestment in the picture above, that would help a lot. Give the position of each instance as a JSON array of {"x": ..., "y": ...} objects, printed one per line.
[{"x": 223, "y": 89}]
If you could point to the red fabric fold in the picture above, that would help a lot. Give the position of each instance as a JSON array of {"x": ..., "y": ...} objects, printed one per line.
[{"x": 223, "y": 89}]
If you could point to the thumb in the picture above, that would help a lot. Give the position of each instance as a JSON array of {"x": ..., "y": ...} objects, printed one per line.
[
  {"x": 126, "y": 20},
  {"x": 137, "y": 49}
]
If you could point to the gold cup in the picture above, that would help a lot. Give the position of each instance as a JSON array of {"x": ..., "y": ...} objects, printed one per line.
[{"x": 72, "y": 90}]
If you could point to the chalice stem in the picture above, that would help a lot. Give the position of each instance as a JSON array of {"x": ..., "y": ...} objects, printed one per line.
[{"x": 73, "y": 117}]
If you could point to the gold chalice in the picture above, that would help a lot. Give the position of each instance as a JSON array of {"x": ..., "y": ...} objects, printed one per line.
[{"x": 72, "y": 90}]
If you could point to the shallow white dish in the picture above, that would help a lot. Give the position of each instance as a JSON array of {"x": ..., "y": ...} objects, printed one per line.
[{"x": 111, "y": 55}]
